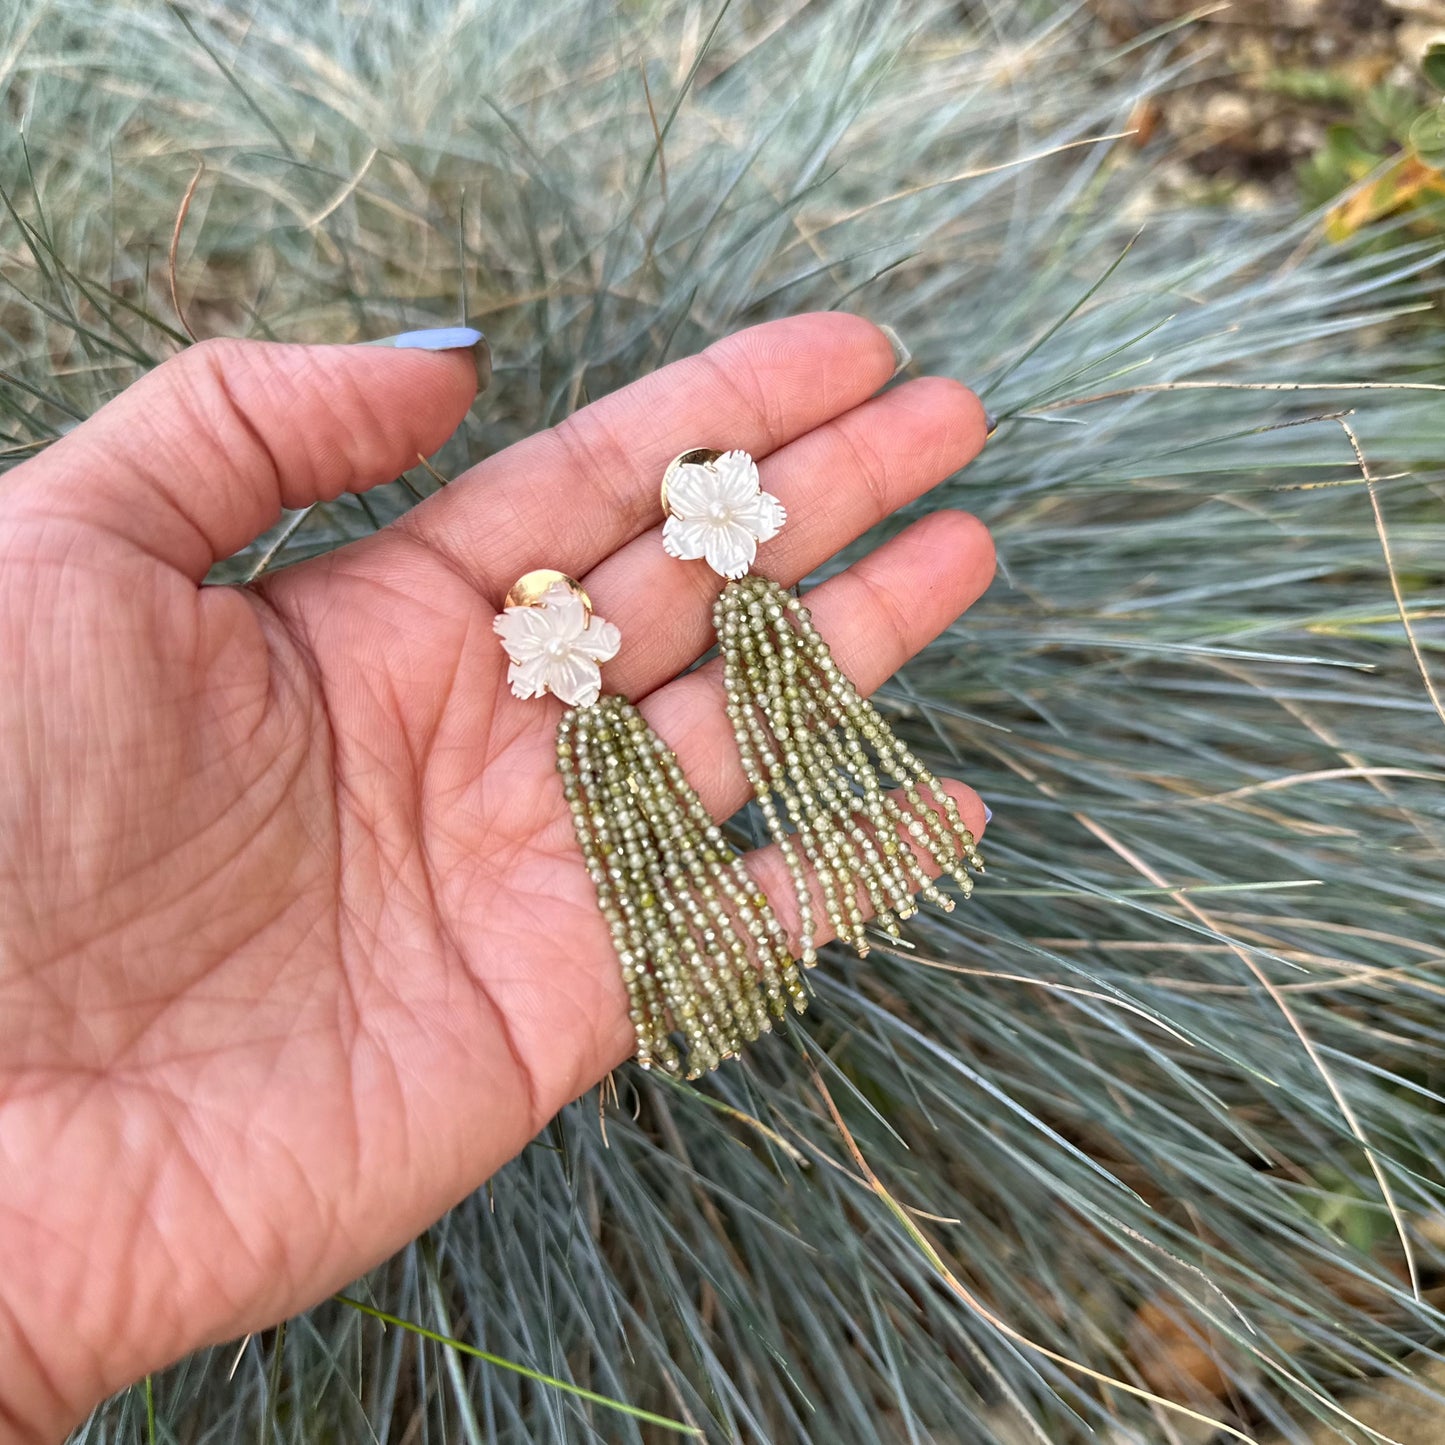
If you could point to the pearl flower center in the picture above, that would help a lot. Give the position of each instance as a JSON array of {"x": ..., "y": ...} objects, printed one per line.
[
  {"x": 718, "y": 511},
  {"x": 558, "y": 647}
]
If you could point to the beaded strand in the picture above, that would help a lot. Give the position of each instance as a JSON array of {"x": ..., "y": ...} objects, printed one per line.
[
  {"x": 805, "y": 736},
  {"x": 701, "y": 951}
]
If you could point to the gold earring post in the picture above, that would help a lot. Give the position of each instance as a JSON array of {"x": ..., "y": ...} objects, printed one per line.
[
  {"x": 528, "y": 590},
  {"x": 697, "y": 457}
]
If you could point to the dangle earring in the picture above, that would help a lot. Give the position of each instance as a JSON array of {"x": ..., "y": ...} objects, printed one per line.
[
  {"x": 807, "y": 739},
  {"x": 701, "y": 949}
]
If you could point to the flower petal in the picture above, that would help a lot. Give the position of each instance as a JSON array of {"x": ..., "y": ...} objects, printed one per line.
[
  {"x": 600, "y": 641},
  {"x": 565, "y": 608},
  {"x": 529, "y": 678},
  {"x": 524, "y": 631},
  {"x": 737, "y": 480},
  {"x": 763, "y": 516},
  {"x": 685, "y": 538},
  {"x": 691, "y": 491},
  {"x": 729, "y": 549},
  {"x": 575, "y": 679}
]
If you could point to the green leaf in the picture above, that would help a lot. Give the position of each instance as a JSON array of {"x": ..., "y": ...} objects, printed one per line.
[
  {"x": 1432, "y": 64},
  {"x": 1427, "y": 136},
  {"x": 1387, "y": 113},
  {"x": 1345, "y": 149}
]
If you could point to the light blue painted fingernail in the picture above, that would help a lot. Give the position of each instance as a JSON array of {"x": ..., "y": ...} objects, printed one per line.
[
  {"x": 987, "y": 812},
  {"x": 990, "y": 422},
  {"x": 434, "y": 338},
  {"x": 445, "y": 338}
]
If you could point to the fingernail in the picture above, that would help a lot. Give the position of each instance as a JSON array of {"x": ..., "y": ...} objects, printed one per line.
[
  {"x": 990, "y": 422},
  {"x": 445, "y": 338},
  {"x": 987, "y": 812},
  {"x": 901, "y": 354}
]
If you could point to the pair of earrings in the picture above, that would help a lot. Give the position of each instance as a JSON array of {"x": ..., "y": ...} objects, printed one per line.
[{"x": 703, "y": 955}]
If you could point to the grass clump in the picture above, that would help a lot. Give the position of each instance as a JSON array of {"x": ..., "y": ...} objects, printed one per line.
[{"x": 1157, "y": 1116}]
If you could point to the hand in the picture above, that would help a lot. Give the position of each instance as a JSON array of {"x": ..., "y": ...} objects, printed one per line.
[{"x": 298, "y": 947}]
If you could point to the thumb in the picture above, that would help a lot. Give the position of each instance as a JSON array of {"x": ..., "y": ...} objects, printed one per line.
[{"x": 198, "y": 457}]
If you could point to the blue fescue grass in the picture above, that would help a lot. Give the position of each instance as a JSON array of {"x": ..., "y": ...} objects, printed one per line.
[{"x": 1179, "y": 1058}]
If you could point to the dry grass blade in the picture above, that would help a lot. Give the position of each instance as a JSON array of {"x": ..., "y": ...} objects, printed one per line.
[
  {"x": 1145, "y": 388},
  {"x": 1394, "y": 576},
  {"x": 175, "y": 246}
]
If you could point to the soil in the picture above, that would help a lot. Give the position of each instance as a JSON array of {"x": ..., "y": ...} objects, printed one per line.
[{"x": 1268, "y": 77}]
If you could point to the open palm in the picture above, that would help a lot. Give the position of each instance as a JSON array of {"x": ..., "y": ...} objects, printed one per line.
[{"x": 298, "y": 946}]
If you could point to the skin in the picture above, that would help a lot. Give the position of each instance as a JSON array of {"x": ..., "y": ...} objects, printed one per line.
[{"x": 298, "y": 948}]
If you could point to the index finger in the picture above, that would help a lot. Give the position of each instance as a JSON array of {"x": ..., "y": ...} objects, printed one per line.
[{"x": 568, "y": 497}]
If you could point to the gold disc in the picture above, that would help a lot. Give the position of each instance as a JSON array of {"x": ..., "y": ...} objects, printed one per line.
[
  {"x": 529, "y": 590},
  {"x": 699, "y": 456}
]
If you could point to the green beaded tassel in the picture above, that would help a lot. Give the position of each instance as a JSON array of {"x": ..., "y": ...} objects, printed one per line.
[
  {"x": 808, "y": 742},
  {"x": 701, "y": 950}
]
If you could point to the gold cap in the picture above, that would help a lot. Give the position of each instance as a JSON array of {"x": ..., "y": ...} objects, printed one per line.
[{"x": 528, "y": 590}]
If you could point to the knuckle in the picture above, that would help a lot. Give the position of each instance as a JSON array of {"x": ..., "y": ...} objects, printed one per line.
[
  {"x": 870, "y": 463},
  {"x": 890, "y": 612},
  {"x": 207, "y": 384},
  {"x": 214, "y": 353},
  {"x": 597, "y": 453},
  {"x": 738, "y": 376}
]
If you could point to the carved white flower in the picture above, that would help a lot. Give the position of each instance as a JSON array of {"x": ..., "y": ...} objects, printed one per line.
[
  {"x": 719, "y": 512},
  {"x": 556, "y": 647}
]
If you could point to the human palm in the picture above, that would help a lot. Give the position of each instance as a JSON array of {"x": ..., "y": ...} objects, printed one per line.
[{"x": 298, "y": 946}]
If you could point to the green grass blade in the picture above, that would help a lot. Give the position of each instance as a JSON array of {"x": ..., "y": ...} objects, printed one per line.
[{"x": 551, "y": 1381}]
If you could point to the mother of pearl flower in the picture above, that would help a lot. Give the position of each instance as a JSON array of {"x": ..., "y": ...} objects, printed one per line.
[
  {"x": 719, "y": 512},
  {"x": 556, "y": 645}
]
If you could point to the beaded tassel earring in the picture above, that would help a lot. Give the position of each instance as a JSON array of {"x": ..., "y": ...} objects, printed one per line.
[
  {"x": 701, "y": 949},
  {"x": 807, "y": 739}
]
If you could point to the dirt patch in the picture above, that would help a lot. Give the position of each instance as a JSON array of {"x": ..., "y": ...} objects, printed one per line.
[{"x": 1269, "y": 77}]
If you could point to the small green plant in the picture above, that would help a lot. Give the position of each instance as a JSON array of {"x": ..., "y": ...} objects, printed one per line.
[{"x": 1388, "y": 160}]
